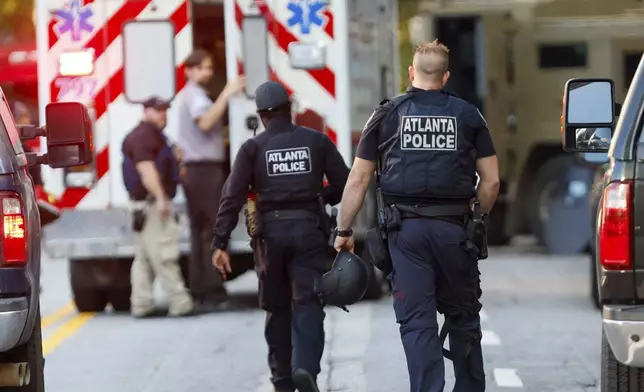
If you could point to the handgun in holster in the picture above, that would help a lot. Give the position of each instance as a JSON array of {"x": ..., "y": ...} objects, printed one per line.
[
  {"x": 139, "y": 215},
  {"x": 476, "y": 233},
  {"x": 327, "y": 223}
]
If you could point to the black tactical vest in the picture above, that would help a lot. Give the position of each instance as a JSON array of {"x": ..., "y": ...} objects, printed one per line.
[
  {"x": 289, "y": 167},
  {"x": 431, "y": 156}
]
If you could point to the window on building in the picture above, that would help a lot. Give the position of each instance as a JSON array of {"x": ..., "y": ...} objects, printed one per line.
[
  {"x": 630, "y": 60},
  {"x": 563, "y": 55}
]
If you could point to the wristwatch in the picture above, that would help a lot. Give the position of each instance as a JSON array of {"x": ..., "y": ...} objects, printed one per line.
[{"x": 344, "y": 233}]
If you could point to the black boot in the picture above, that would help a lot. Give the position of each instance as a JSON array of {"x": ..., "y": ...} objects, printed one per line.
[{"x": 304, "y": 381}]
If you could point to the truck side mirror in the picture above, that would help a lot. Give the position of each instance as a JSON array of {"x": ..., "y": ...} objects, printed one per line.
[
  {"x": 588, "y": 115},
  {"x": 69, "y": 135}
]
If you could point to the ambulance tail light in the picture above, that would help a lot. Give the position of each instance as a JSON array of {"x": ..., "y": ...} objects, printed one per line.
[
  {"x": 14, "y": 230},
  {"x": 616, "y": 226}
]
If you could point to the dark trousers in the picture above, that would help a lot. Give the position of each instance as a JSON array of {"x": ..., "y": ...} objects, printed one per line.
[
  {"x": 433, "y": 271},
  {"x": 202, "y": 183},
  {"x": 290, "y": 261}
]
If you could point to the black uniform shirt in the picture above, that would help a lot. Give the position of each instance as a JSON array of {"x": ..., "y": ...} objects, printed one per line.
[
  {"x": 374, "y": 134},
  {"x": 251, "y": 169}
]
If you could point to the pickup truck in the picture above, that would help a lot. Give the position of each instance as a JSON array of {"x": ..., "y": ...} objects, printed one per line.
[
  {"x": 589, "y": 105},
  {"x": 68, "y": 134}
]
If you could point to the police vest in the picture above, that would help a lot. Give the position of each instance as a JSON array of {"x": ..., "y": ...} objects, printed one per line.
[
  {"x": 166, "y": 165},
  {"x": 432, "y": 154},
  {"x": 288, "y": 168}
]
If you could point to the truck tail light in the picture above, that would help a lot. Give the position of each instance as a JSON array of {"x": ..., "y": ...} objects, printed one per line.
[
  {"x": 14, "y": 230},
  {"x": 616, "y": 226}
]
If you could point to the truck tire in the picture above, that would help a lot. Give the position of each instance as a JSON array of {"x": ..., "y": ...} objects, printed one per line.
[
  {"x": 374, "y": 290},
  {"x": 544, "y": 181},
  {"x": 617, "y": 377},
  {"x": 560, "y": 214},
  {"x": 89, "y": 300},
  {"x": 496, "y": 226},
  {"x": 30, "y": 352},
  {"x": 120, "y": 299}
]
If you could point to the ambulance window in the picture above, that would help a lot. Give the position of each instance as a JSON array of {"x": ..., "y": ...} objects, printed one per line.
[
  {"x": 148, "y": 58},
  {"x": 255, "y": 51},
  {"x": 563, "y": 55}
]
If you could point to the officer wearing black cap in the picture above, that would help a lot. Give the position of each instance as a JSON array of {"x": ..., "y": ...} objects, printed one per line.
[
  {"x": 151, "y": 176},
  {"x": 427, "y": 146},
  {"x": 284, "y": 166}
]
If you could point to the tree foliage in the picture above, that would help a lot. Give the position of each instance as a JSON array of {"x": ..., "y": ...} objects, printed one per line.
[{"x": 16, "y": 21}]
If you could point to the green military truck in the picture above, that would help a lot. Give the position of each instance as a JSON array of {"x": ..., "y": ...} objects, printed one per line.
[{"x": 511, "y": 58}]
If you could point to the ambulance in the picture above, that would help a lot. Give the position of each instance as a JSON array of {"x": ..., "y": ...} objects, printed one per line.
[{"x": 337, "y": 58}]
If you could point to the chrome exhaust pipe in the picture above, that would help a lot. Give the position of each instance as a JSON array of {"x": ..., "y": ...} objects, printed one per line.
[{"x": 14, "y": 374}]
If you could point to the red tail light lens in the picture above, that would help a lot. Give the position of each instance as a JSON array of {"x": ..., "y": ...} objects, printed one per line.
[
  {"x": 616, "y": 227},
  {"x": 14, "y": 230}
]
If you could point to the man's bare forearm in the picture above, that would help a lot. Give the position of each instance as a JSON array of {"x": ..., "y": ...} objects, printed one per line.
[
  {"x": 486, "y": 194},
  {"x": 352, "y": 199},
  {"x": 215, "y": 113},
  {"x": 151, "y": 180}
]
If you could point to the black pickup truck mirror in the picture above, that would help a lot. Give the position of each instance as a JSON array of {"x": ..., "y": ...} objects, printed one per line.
[
  {"x": 69, "y": 135},
  {"x": 588, "y": 116}
]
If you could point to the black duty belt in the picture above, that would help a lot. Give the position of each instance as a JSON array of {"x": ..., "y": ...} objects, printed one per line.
[
  {"x": 433, "y": 211},
  {"x": 279, "y": 215}
]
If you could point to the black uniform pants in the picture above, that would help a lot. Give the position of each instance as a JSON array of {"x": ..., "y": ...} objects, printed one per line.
[
  {"x": 291, "y": 259},
  {"x": 202, "y": 183},
  {"x": 433, "y": 271}
]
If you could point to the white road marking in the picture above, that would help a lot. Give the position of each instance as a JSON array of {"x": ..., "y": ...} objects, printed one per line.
[
  {"x": 347, "y": 340},
  {"x": 483, "y": 315},
  {"x": 490, "y": 338},
  {"x": 507, "y": 378}
]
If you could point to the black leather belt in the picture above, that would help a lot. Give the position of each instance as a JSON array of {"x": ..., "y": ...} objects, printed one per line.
[
  {"x": 279, "y": 215},
  {"x": 433, "y": 211}
]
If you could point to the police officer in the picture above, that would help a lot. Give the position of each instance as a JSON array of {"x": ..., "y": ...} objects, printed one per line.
[
  {"x": 151, "y": 176},
  {"x": 285, "y": 166},
  {"x": 429, "y": 145}
]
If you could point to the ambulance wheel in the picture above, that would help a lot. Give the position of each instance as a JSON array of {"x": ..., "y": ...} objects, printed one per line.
[
  {"x": 374, "y": 290},
  {"x": 89, "y": 300},
  {"x": 120, "y": 299}
]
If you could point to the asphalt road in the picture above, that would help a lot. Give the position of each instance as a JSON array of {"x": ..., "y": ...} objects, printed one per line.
[{"x": 540, "y": 334}]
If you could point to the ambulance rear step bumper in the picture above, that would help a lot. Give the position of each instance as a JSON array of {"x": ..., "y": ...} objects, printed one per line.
[{"x": 107, "y": 234}]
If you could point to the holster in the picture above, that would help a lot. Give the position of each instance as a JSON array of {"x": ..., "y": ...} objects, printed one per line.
[
  {"x": 138, "y": 210},
  {"x": 377, "y": 246},
  {"x": 138, "y": 220},
  {"x": 260, "y": 256},
  {"x": 476, "y": 235},
  {"x": 327, "y": 222}
]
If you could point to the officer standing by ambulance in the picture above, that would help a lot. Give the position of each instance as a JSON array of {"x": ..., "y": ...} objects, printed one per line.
[
  {"x": 427, "y": 146},
  {"x": 285, "y": 166}
]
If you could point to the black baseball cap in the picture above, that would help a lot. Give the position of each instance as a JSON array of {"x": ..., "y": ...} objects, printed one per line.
[
  {"x": 271, "y": 95},
  {"x": 156, "y": 103}
]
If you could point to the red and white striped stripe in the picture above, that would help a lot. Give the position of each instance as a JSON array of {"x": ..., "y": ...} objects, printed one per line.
[
  {"x": 314, "y": 89},
  {"x": 106, "y": 40}
]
